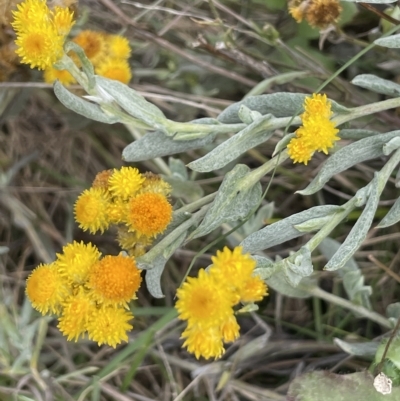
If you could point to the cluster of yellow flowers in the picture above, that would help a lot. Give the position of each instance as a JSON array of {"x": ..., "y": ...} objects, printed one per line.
[
  {"x": 318, "y": 132},
  {"x": 207, "y": 302},
  {"x": 41, "y": 32},
  {"x": 137, "y": 204},
  {"x": 108, "y": 53},
  {"x": 89, "y": 293},
  {"x": 318, "y": 13}
]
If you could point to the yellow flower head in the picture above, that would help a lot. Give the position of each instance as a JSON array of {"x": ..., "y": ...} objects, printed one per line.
[
  {"x": 232, "y": 269},
  {"x": 51, "y": 74},
  {"x": 117, "y": 211},
  {"x": 114, "y": 280},
  {"x": 149, "y": 214},
  {"x": 30, "y": 13},
  {"x": 40, "y": 33},
  {"x": 63, "y": 20},
  {"x": 318, "y": 13},
  {"x": 91, "y": 210},
  {"x": 230, "y": 329},
  {"x": 253, "y": 290},
  {"x": 154, "y": 183},
  {"x": 101, "y": 179},
  {"x": 203, "y": 302},
  {"x": 109, "y": 325},
  {"x": 317, "y": 105},
  {"x": 118, "y": 46},
  {"x": 116, "y": 69},
  {"x": 77, "y": 310},
  {"x": 93, "y": 44},
  {"x": 76, "y": 261},
  {"x": 131, "y": 242},
  {"x": 205, "y": 342},
  {"x": 318, "y": 132},
  {"x": 40, "y": 47},
  {"x": 46, "y": 289},
  {"x": 299, "y": 152},
  {"x": 125, "y": 182}
]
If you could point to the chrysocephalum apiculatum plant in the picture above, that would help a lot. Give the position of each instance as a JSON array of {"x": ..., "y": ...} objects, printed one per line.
[{"x": 90, "y": 292}]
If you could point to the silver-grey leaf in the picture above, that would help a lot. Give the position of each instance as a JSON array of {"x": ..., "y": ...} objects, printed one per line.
[
  {"x": 357, "y": 152},
  {"x": 359, "y": 231},
  {"x": 251, "y": 136},
  {"x": 377, "y": 84},
  {"x": 157, "y": 144},
  {"x": 284, "y": 230},
  {"x": 230, "y": 204},
  {"x": 392, "y": 217},
  {"x": 82, "y": 107}
]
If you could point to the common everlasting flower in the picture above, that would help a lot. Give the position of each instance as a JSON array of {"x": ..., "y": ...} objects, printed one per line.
[
  {"x": 46, "y": 288},
  {"x": 207, "y": 302},
  {"x": 91, "y": 210},
  {"x": 114, "y": 280},
  {"x": 125, "y": 182},
  {"x": 116, "y": 69},
  {"x": 318, "y": 13},
  {"x": 40, "y": 33},
  {"x": 317, "y": 133}
]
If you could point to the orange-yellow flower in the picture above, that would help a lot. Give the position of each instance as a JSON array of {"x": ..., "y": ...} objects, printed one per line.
[
  {"x": 154, "y": 183},
  {"x": 46, "y": 289},
  {"x": 125, "y": 182},
  {"x": 76, "y": 260},
  {"x": 92, "y": 43},
  {"x": 109, "y": 325},
  {"x": 91, "y": 210},
  {"x": 318, "y": 13},
  {"x": 205, "y": 342},
  {"x": 40, "y": 33},
  {"x": 233, "y": 268},
  {"x": 230, "y": 329},
  {"x": 51, "y": 74},
  {"x": 317, "y": 133},
  {"x": 253, "y": 290},
  {"x": 149, "y": 214},
  {"x": 116, "y": 69},
  {"x": 203, "y": 302},
  {"x": 77, "y": 310},
  {"x": 114, "y": 280},
  {"x": 118, "y": 47}
]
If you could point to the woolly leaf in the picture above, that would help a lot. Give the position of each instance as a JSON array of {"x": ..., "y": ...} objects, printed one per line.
[
  {"x": 359, "y": 231},
  {"x": 376, "y": 84},
  {"x": 231, "y": 203},
  {"x": 284, "y": 230},
  {"x": 82, "y": 107},
  {"x": 393, "y": 41},
  {"x": 357, "y": 152},
  {"x": 251, "y": 136},
  {"x": 366, "y": 349},
  {"x": 157, "y": 144}
]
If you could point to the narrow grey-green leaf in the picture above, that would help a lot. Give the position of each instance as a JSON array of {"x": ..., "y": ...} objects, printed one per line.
[
  {"x": 157, "y": 144},
  {"x": 366, "y": 349},
  {"x": 353, "y": 279},
  {"x": 356, "y": 134},
  {"x": 251, "y": 136},
  {"x": 376, "y": 84},
  {"x": 189, "y": 191},
  {"x": 278, "y": 283},
  {"x": 265, "y": 267},
  {"x": 280, "y": 104},
  {"x": 359, "y": 231},
  {"x": 133, "y": 103},
  {"x": 284, "y": 230},
  {"x": 82, "y": 107},
  {"x": 393, "y": 310},
  {"x": 178, "y": 168},
  {"x": 324, "y": 386},
  {"x": 153, "y": 277},
  {"x": 230, "y": 204},
  {"x": 393, "y": 41},
  {"x": 392, "y": 217},
  {"x": 357, "y": 152}
]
